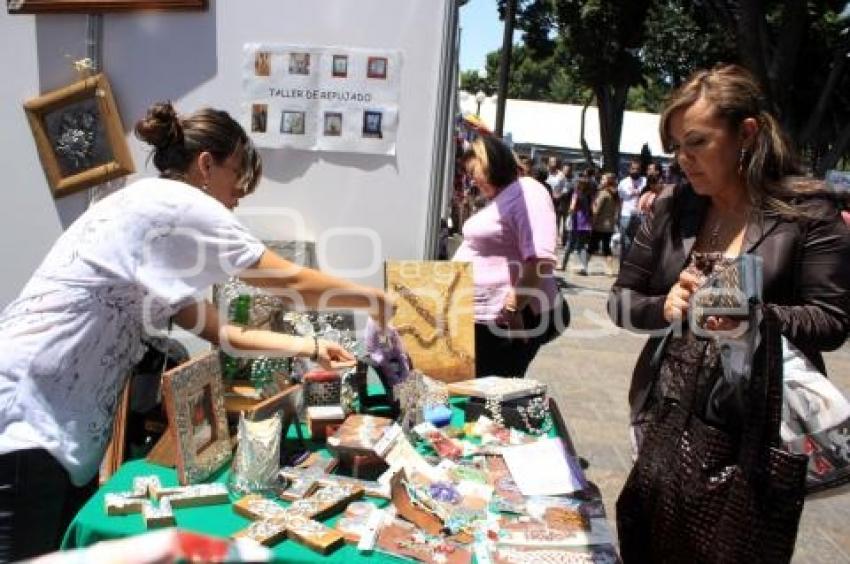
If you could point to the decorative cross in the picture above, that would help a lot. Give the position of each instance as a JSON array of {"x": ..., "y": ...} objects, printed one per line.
[
  {"x": 304, "y": 481},
  {"x": 156, "y": 503},
  {"x": 299, "y": 521}
]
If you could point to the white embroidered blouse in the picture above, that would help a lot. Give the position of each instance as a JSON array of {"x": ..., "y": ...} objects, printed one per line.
[{"x": 68, "y": 341}]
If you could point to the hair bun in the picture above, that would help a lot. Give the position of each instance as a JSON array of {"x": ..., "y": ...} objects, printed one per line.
[{"x": 161, "y": 126}]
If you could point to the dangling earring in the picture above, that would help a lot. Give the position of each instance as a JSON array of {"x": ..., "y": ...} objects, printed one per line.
[
  {"x": 741, "y": 161},
  {"x": 205, "y": 188}
]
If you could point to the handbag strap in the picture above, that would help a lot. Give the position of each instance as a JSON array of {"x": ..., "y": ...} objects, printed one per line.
[
  {"x": 761, "y": 432},
  {"x": 775, "y": 377}
]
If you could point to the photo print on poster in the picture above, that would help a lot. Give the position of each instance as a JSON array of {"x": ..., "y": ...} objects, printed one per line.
[
  {"x": 263, "y": 63},
  {"x": 377, "y": 68},
  {"x": 292, "y": 123},
  {"x": 333, "y": 123},
  {"x": 299, "y": 63},
  {"x": 340, "y": 66},
  {"x": 259, "y": 117},
  {"x": 372, "y": 124}
]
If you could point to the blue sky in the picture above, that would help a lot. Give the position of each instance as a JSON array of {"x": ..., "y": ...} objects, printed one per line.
[{"x": 481, "y": 32}]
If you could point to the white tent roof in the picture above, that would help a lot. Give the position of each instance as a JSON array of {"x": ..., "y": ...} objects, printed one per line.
[{"x": 558, "y": 125}]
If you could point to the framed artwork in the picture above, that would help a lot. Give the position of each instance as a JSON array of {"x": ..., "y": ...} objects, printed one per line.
[
  {"x": 292, "y": 123},
  {"x": 194, "y": 402},
  {"x": 340, "y": 66},
  {"x": 79, "y": 136},
  {"x": 376, "y": 67},
  {"x": 94, "y": 6},
  {"x": 372, "y": 124},
  {"x": 333, "y": 123},
  {"x": 435, "y": 315},
  {"x": 299, "y": 63}
]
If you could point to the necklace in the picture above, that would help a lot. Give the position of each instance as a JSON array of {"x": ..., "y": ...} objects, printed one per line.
[
  {"x": 714, "y": 236},
  {"x": 719, "y": 237}
]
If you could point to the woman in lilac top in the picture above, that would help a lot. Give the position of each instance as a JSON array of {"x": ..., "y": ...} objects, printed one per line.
[{"x": 511, "y": 245}]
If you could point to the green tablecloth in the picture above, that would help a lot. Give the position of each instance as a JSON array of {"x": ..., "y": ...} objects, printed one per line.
[{"x": 92, "y": 524}]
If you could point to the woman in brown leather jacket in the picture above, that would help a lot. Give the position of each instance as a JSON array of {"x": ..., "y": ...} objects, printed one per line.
[{"x": 741, "y": 197}]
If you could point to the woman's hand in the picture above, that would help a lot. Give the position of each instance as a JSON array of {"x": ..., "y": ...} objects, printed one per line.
[
  {"x": 329, "y": 354},
  {"x": 383, "y": 309},
  {"x": 676, "y": 304}
]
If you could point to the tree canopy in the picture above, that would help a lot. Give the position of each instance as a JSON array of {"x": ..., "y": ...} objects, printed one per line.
[{"x": 630, "y": 55}]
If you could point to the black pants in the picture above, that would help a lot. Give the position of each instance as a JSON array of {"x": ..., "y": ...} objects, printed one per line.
[
  {"x": 497, "y": 355},
  {"x": 600, "y": 242},
  {"x": 37, "y": 503}
]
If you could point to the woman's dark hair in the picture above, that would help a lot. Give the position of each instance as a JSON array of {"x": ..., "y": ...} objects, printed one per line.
[
  {"x": 541, "y": 174},
  {"x": 584, "y": 187},
  {"x": 177, "y": 141},
  {"x": 497, "y": 161}
]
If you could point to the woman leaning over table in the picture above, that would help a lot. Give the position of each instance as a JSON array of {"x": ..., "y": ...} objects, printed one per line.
[
  {"x": 133, "y": 261},
  {"x": 511, "y": 245},
  {"x": 741, "y": 197}
]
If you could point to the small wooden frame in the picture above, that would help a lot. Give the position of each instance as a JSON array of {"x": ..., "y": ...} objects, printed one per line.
[
  {"x": 194, "y": 401},
  {"x": 96, "y": 6},
  {"x": 79, "y": 136}
]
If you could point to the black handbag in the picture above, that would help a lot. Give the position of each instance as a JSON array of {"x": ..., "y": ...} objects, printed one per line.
[
  {"x": 698, "y": 493},
  {"x": 557, "y": 318}
]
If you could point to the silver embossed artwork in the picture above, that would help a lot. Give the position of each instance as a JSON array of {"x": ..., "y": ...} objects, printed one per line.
[
  {"x": 194, "y": 401},
  {"x": 257, "y": 459},
  {"x": 78, "y": 137}
]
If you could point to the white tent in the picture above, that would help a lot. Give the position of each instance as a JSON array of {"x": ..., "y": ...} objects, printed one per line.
[{"x": 544, "y": 124}]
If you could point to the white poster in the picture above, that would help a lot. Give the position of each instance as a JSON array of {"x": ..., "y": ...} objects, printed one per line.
[{"x": 321, "y": 98}]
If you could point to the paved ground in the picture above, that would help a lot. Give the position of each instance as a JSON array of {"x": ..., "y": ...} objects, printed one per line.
[{"x": 588, "y": 371}]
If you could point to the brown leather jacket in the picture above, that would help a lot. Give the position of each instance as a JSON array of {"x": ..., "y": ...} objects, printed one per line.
[{"x": 806, "y": 275}]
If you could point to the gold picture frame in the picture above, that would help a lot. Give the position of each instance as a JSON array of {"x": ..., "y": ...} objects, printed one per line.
[
  {"x": 79, "y": 136},
  {"x": 193, "y": 396},
  {"x": 95, "y": 6}
]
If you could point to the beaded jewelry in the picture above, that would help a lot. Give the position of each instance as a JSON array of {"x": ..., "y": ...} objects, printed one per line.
[{"x": 535, "y": 416}]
